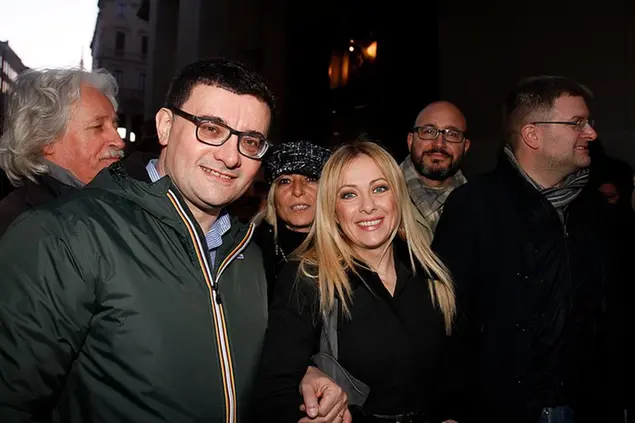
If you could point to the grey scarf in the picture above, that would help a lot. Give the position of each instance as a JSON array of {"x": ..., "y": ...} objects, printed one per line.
[
  {"x": 560, "y": 195},
  {"x": 63, "y": 175},
  {"x": 429, "y": 200}
]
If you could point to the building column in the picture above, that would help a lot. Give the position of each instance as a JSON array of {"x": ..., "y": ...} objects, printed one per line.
[{"x": 164, "y": 21}]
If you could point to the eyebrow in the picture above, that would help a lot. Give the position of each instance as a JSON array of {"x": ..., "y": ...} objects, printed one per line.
[
  {"x": 213, "y": 119},
  {"x": 369, "y": 184},
  {"x": 216, "y": 119},
  {"x": 102, "y": 118},
  {"x": 449, "y": 127}
]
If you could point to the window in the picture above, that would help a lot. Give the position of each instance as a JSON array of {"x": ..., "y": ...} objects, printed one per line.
[
  {"x": 338, "y": 69},
  {"x": 141, "y": 83},
  {"x": 353, "y": 65},
  {"x": 118, "y": 74},
  {"x": 120, "y": 43},
  {"x": 144, "y": 45},
  {"x": 121, "y": 9}
]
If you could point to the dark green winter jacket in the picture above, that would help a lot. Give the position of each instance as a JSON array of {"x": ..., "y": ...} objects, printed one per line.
[{"x": 109, "y": 311}]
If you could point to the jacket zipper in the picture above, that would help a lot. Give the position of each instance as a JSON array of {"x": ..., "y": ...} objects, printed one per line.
[{"x": 218, "y": 315}]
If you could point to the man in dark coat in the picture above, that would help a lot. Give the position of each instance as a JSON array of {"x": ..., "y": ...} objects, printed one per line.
[
  {"x": 61, "y": 130},
  {"x": 531, "y": 251}
]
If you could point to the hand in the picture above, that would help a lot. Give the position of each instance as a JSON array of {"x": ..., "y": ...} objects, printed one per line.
[{"x": 324, "y": 400}]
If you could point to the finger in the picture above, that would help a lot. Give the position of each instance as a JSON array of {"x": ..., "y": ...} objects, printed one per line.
[
  {"x": 336, "y": 413},
  {"x": 310, "y": 400},
  {"x": 338, "y": 419},
  {"x": 334, "y": 398},
  {"x": 348, "y": 417}
]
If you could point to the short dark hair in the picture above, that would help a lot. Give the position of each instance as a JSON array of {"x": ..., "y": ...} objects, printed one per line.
[
  {"x": 538, "y": 94},
  {"x": 222, "y": 73}
]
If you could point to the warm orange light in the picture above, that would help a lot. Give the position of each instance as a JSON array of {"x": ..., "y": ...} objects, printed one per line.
[
  {"x": 345, "y": 68},
  {"x": 371, "y": 50}
]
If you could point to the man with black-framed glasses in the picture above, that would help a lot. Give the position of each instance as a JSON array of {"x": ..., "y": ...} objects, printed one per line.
[
  {"x": 140, "y": 299},
  {"x": 532, "y": 250},
  {"x": 437, "y": 143}
]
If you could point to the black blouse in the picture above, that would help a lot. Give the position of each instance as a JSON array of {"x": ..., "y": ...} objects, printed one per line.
[
  {"x": 394, "y": 344},
  {"x": 276, "y": 253}
]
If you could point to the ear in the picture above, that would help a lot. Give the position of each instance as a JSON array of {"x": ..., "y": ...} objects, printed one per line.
[
  {"x": 466, "y": 145},
  {"x": 163, "y": 120},
  {"x": 531, "y": 136},
  {"x": 410, "y": 139},
  {"x": 49, "y": 149}
]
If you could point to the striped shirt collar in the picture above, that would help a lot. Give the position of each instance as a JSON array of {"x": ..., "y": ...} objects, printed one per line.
[{"x": 213, "y": 238}]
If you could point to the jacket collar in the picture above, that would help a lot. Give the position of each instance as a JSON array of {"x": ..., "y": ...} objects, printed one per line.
[
  {"x": 362, "y": 276},
  {"x": 153, "y": 198},
  {"x": 45, "y": 189}
]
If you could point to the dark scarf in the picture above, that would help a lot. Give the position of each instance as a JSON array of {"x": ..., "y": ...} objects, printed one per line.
[{"x": 560, "y": 195}]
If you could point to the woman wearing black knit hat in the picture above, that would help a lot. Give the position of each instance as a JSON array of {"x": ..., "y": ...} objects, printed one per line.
[{"x": 292, "y": 169}]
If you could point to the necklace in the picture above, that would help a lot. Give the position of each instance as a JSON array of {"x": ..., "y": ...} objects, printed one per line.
[{"x": 279, "y": 252}]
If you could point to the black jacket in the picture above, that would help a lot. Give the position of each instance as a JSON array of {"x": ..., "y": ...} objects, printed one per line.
[
  {"x": 46, "y": 188},
  {"x": 393, "y": 344},
  {"x": 534, "y": 293},
  {"x": 30, "y": 195}
]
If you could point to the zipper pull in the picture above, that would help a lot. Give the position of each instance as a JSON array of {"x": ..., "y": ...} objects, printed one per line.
[{"x": 218, "y": 298}]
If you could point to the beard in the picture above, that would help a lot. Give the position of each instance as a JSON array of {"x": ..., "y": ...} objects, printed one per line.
[{"x": 436, "y": 172}]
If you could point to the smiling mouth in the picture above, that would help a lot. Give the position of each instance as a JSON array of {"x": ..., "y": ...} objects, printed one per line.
[
  {"x": 369, "y": 223},
  {"x": 216, "y": 173},
  {"x": 300, "y": 207}
]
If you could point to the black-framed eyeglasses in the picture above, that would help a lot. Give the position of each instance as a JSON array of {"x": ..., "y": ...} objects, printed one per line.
[
  {"x": 580, "y": 124},
  {"x": 431, "y": 133},
  {"x": 212, "y": 131}
]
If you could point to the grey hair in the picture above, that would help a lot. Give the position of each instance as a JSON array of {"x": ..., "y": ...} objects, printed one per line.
[{"x": 39, "y": 107}]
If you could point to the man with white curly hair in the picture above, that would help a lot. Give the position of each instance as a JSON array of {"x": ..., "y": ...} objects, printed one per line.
[{"x": 60, "y": 131}]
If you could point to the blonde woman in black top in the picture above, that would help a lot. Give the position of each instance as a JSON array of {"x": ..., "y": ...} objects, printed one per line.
[{"x": 367, "y": 250}]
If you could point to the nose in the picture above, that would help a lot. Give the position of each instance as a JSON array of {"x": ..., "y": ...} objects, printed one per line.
[
  {"x": 367, "y": 205},
  {"x": 589, "y": 133},
  {"x": 439, "y": 140},
  {"x": 298, "y": 188},
  {"x": 117, "y": 142},
  {"x": 228, "y": 153},
  {"x": 114, "y": 139}
]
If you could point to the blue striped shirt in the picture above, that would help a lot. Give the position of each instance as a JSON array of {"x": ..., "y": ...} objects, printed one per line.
[{"x": 213, "y": 238}]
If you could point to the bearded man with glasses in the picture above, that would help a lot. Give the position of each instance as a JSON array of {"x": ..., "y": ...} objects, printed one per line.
[{"x": 437, "y": 143}]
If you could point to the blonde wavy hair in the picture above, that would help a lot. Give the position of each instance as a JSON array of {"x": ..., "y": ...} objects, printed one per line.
[{"x": 326, "y": 255}]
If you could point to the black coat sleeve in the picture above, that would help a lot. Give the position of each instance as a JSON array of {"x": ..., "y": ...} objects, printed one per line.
[
  {"x": 292, "y": 338},
  {"x": 456, "y": 242}
]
